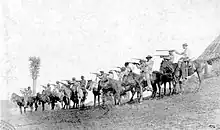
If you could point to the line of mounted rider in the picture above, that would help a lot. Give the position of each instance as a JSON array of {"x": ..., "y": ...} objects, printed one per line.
[{"x": 147, "y": 80}]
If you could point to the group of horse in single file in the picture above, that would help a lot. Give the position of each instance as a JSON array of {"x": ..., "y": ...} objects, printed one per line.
[{"x": 168, "y": 73}]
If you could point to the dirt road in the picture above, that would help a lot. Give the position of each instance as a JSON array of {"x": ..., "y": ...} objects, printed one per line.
[{"x": 188, "y": 111}]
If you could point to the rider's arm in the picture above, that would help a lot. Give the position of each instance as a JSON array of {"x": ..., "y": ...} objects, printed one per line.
[
  {"x": 63, "y": 84},
  {"x": 182, "y": 53},
  {"x": 138, "y": 66}
]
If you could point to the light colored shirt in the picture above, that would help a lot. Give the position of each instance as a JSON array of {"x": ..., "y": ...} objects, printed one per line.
[
  {"x": 83, "y": 83},
  {"x": 147, "y": 66},
  {"x": 171, "y": 58},
  {"x": 102, "y": 76},
  {"x": 110, "y": 75},
  {"x": 127, "y": 70},
  {"x": 186, "y": 53}
]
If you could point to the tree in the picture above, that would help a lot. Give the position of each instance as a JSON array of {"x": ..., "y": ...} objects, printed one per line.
[{"x": 34, "y": 70}]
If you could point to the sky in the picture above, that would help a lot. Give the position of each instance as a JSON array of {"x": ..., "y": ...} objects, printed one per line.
[{"x": 76, "y": 37}]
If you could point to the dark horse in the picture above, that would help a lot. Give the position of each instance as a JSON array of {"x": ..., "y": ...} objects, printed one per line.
[
  {"x": 20, "y": 102},
  {"x": 47, "y": 97},
  {"x": 197, "y": 66},
  {"x": 95, "y": 87},
  {"x": 169, "y": 74}
]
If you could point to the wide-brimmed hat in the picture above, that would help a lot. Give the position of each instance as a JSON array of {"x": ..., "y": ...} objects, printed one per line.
[
  {"x": 148, "y": 57},
  {"x": 185, "y": 44},
  {"x": 101, "y": 71}
]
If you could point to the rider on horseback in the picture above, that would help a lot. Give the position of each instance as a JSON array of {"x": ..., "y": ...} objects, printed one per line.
[
  {"x": 171, "y": 56},
  {"x": 110, "y": 75},
  {"x": 146, "y": 69},
  {"x": 83, "y": 85},
  {"x": 184, "y": 60},
  {"x": 127, "y": 71},
  {"x": 27, "y": 93},
  {"x": 102, "y": 75},
  {"x": 121, "y": 74}
]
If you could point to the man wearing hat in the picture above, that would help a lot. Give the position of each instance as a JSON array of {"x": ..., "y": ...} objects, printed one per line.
[
  {"x": 146, "y": 68},
  {"x": 128, "y": 69},
  {"x": 121, "y": 73},
  {"x": 111, "y": 75},
  {"x": 169, "y": 63},
  {"x": 171, "y": 56},
  {"x": 83, "y": 85},
  {"x": 183, "y": 61},
  {"x": 102, "y": 75},
  {"x": 27, "y": 93}
]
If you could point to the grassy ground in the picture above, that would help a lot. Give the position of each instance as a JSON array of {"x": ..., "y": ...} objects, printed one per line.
[{"x": 188, "y": 111}]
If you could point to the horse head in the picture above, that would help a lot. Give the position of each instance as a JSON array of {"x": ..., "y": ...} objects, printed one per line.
[
  {"x": 91, "y": 85},
  {"x": 15, "y": 97}
]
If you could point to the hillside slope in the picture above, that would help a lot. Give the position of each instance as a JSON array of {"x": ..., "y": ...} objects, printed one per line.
[{"x": 188, "y": 111}]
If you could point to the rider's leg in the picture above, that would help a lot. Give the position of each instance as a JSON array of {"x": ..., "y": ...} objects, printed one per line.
[
  {"x": 25, "y": 100},
  {"x": 183, "y": 68},
  {"x": 147, "y": 77}
]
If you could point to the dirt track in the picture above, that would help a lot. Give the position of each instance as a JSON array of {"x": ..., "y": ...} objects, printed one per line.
[{"x": 188, "y": 111}]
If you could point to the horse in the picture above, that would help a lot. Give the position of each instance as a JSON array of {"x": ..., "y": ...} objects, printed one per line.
[
  {"x": 49, "y": 97},
  {"x": 167, "y": 69},
  {"x": 20, "y": 102},
  {"x": 95, "y": 87},
  {"x": 134, "y": 82},
  {"x": 62, "y": 95},
  {"x": 197, "y": 66},
  {"x": 42, "y": 99},
  {"x": 66, "y": 97},
  {"x": 113, "y": 86},
  {"x": 77, "y": 96}
]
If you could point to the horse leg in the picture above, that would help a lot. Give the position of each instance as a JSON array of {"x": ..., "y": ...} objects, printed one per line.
[
  {"x": 174, "y": 87},
  {"x": 164, "y": 91},
  {"x": 36, "y": 106},
  {"x": 199, "y": 77},
  {"x": 52, "y": 105},
  {"x": 79, "y": 103},
  {"x": 20, "y": 109},
  {"x": 154, "y": 86},
  {"x": 94, "y": 100},
  {"x": 99, "y": 100},
  {"x": 170, "y": 88},
  {"x": 31, "y": 106},
  {"x": 132, "y": 94},
  {"x": 181, "y": 87},
  {"x": 25, "y": 109},
  {"x": 43, "y": 106},
  {"x": 103, "y": 99}
]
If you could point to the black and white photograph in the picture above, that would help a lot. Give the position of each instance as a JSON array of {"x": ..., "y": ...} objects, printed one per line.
[{"x": 110, "y": 64}]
